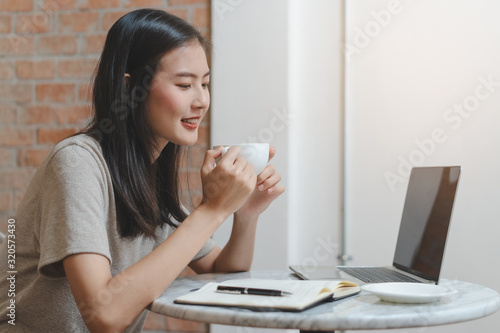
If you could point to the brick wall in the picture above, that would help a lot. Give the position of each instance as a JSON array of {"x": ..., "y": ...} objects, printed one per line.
[{"x": 48, "y": 51}]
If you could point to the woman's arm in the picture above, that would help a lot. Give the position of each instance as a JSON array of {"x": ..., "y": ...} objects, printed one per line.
[
  {"x": 110, "y": 304},
  {"x": 237, "y": 255}
]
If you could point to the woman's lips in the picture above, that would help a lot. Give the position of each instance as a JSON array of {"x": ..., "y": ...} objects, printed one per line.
[{"x": 191, "y": 123}]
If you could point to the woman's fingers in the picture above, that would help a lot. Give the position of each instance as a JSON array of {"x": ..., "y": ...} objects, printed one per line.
[
  {"x": 272, "y": 152},
  {"x": 209, "y": 160},
  {"x": 268, "y": 171},
  {"x": 277, "y": 190},
  {"x": 230, "y": 155},
  {"x": 228, "y": 185},
  {"x": 269, "y": 182}
]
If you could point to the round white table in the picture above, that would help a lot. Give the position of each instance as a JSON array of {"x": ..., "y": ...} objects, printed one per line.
[{"x": 364, "y": 311}]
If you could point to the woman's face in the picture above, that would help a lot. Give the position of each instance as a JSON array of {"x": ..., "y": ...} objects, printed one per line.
[{"x": 179, "y": 96}]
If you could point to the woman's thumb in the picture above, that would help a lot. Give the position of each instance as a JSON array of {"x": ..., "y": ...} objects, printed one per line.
[{"x": 209, "y": 160}]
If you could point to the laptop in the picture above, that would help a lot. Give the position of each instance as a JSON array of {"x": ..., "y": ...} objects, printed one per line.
[{"x": 422, "y": 233}]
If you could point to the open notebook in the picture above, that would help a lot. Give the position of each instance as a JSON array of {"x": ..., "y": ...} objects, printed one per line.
[{"x": 304, "y": 294}]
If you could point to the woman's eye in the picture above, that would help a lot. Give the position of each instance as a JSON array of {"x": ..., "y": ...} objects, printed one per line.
[
  {"x": 206, "y": 85},
  {"x": 184, "y": 86}
]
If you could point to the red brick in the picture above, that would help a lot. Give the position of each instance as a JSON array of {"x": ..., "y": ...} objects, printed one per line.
[
  {"x": 180, "y": 12},
  {"x": 6, "y": 69},
  {"x": 78, "y": 22},
  {"x": 187, "y": 2},
  {"x": 18, "y": 196},
  {"x": 85, "y": 92},
  {"x": 185, "y": 200},
  {"x": 3, "y": 221},
  {"x": 16, "y": 5},
  {"x": 55, "y": 92},
  {"x": 195, "y": 198},
  {"x": 90, "y": 4},
  {"x": 201, "y": 17},
  {"x": 73, "y": 114},
  {"x": 17, "y": 45},
  {"x": 12, "y": 137},
  {"x": 31, "y": 157},
  {"x": 196, "y": 155},
  {"x": 5, "y": 24},
  {"x": 108, "y": 19},
  {"x": 7, "y": 157},
  {"x": 8, "y": 114},
  {"x": 6, "y": 200},
  {"x": 34, "y": 23},
  {"x": 28, "y": 69},
  {"x": 93, "y": 43},
  {"x": 53, "y": 6},
  {"x": 57, "y": 44},
  {"x": 206, "y": 119},
  {"x": 184, "y": 159},
  {"x": 37, "y": 114},
  {"x": 205, "y": 32},
  {"x": 16, "y": 92},
  {"x": 15, "y": 179},
  {"x": 143, "y": 3},
  {"x": 77, "y": 68},
  {"x": 54, "y": 135},
  {"x": 190, "y": 180}
]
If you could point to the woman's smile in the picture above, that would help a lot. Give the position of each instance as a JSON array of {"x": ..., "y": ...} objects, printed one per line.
[{"x": 191, "y": 123}]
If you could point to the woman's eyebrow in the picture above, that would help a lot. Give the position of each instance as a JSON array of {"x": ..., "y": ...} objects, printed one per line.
[{"x": 188, "y": 74}]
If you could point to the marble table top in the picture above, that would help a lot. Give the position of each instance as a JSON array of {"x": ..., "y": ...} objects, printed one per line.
[{"x": 364, "y": 311}]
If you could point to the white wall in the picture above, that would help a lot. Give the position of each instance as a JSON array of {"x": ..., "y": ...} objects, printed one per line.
[
  {"x": 315, "y": 137},
  {"x": 403, "y": 84},
  {"x": 275, "y": 79},
  {"x": 250, "y": 100},
  {"x": 277, "y": 59}
]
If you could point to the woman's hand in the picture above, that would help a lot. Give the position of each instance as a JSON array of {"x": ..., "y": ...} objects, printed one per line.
[
  {"x": 243, "y": 193},
  {"x": 227, "y": 185},
  {"x": 265, "y": 191}
]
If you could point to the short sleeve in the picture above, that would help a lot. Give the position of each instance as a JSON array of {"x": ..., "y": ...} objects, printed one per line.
[
  {"x": 209, "y": 246},
  {"x": 74, "y": 208}
]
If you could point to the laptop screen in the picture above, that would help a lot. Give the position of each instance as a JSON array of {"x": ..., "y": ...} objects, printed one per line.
[{"x": 425, "y": 221}]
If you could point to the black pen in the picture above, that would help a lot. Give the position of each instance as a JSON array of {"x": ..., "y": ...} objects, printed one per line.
[{"x": 252, "y": 291}]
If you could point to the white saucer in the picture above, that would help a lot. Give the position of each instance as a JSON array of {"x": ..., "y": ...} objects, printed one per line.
[{"x": 403, "y": 292}]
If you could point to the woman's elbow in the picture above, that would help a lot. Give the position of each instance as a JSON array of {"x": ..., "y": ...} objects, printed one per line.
[
  {"x": 106, "y": 321},
  {"x": 235, "y": 268}
]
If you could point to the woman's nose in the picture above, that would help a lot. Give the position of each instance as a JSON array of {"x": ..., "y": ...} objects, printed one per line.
[{"x": 202, "y": 99}]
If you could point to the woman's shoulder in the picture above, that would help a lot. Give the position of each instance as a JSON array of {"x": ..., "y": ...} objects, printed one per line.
[
  {"x": 79, "y": 153},
  {"x": 80, "y": 140},
  {"x": 76, "y": 147},
  {"x": 74, "y": 164}
]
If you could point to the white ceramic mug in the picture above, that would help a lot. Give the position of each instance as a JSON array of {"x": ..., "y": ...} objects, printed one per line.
[{"x": 255, "y": 153}]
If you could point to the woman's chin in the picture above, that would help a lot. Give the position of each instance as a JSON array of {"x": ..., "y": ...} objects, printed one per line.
[{"x": 187, "y": 142}]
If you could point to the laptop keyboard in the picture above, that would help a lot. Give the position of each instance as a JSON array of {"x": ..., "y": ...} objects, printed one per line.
[{"x": 376, "y": 274}]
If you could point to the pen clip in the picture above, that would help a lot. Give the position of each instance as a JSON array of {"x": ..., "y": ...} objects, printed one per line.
[{"x": 224, "y": 291}]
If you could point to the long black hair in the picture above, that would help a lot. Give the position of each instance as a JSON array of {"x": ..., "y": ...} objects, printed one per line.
[{"x": 146, "y": 191}]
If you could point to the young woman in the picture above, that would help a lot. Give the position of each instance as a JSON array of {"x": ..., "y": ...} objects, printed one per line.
[{"x": 99, "y": 233}]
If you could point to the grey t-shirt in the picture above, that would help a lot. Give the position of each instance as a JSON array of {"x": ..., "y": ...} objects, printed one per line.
[{"x": 68, "y": 208}]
